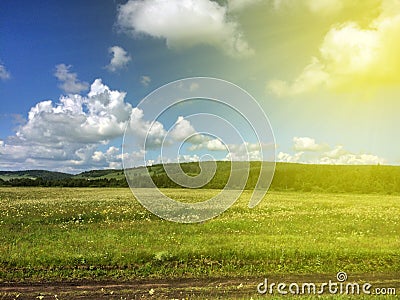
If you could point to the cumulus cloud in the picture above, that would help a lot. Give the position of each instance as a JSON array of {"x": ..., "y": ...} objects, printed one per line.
[
  {"x": 145, "y": 80},
  {"x": 156, "y": 135},
  {"x": 100, "y": 116},
  {"x": 347, "y": 158},
  {"x": 188, "y": 158},
  {"x": 215, "y": 145},
  {"x": 352, "y": 56},
  {"x": 182, "y": 129},
  {"x": 112, "y": 157},
  {"x": 288, "y": 158},
  {"x": 65, "y": 135},
  {"x": 308, "y": 151},
  {"x": 184, "y": 23},
  {"x": 70, "y": 134},
  {"x": 307, "y": 144},
  {"x": 236, "y": 152},
  {"x": 312, "y": 77},
  {"x": 69, "y": 82},
  {"x": 152, "y": 131},
  {"x": 208, "y": 144},
  {"x": 4, "y": 74},
  {"x": 249, "y": 151},
  {"x": 243, "y": 152},
  {"x": 120, "y": 58}
]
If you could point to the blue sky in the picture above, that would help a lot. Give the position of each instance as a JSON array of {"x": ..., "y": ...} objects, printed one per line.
[{"x": 325, "y": 73}]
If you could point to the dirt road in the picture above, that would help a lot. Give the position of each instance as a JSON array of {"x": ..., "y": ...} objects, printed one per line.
[{"x": 234, "y": 288}]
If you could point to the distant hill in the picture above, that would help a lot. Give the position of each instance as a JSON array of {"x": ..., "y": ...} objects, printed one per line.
[
  {"x": 33, "y": 174},
  {"x": 50, "y": 175},
  {"x": 287, "y": 177},
  {"x": 100, "y": 174}
]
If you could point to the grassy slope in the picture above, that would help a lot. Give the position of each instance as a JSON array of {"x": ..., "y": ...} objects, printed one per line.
[
  {"x": 62, "y": 233},
  {"x": 48, "y": 175},
  {"x": 287, "y": 177},
  {"x": 224, "y": 166}
]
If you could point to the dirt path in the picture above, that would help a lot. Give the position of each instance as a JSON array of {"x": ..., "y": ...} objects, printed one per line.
[
  {"x": 234, "y": 288},
  {"x": 144, "y": 289},
  {"x": 141, "y": 289}
]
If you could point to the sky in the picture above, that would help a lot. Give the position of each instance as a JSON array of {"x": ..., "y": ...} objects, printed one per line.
[{"x": 73, "y": 74}]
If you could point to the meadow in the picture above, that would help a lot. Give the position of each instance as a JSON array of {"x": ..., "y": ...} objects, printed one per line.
[{"x": 67, "y": 234}]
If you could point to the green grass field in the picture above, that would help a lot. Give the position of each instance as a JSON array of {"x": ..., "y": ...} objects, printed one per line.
[
  {"x": 100, "y": 235},
  {"x": 62, "y": 234}
]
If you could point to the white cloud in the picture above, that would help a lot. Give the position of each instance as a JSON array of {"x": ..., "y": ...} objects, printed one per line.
[
  {"x": 308, "y": 151},
  {"x": 352, "y": 56},
  {"x": 145, "y": 80},
  {"x": 285, "y": 157},
  {"x": 336, "y": 153},
  {"x": 307, "y": 144},
  {"x": 348, "y": 49},
  {"x": 120, "y": 58},
  {"x": 182, "y": 129},
  {"x": 4, "y": 74},
  {"x": 184, "y": 23},
  {"x": 312, "y": 77},
  {"x": 188, "y": 158},
  {"x": 100, "y": 116},
  {"x": 112, "y": 158},
  {"x": 237, "y": 152},
  {"x": 215, "y": 145},
  {"x": 340, "y": 156},
  {"x": 208, "y": 144},
  {"x": 152, "y": 131},
  {"x": 248, "y": 151},
  {"x": 155, "y": 133},
  {"x": 65, "y": 135},
  {"x": 353, "y": 159},
  {"x": 98, "y": 156},
  {"x": 69, "y": 82}
]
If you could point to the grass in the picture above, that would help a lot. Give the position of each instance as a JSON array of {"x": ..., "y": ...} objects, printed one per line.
[{"x": 67, "y": 234}]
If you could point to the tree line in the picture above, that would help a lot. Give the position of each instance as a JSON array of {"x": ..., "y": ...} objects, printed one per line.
[
  {"x": 67, "y": 182},
  {"x": 287, "y": 177}
]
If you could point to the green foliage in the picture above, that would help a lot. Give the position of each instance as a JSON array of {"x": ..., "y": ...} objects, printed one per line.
[
  {"x": 32, "y": 174},
  {"x": 298, "y": 177},
  {"x": 100, "y": 174},
  {"x": 287, "y": 177},
  {"x": 332, "y": 178},
  {"x": 68, "y": 182}
]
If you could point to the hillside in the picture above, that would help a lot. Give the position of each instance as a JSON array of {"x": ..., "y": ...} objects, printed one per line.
[
  {"x": 102, "y": 174},
  {"x": 33, "y": 174},
  {"x": 288, "y": 176}
]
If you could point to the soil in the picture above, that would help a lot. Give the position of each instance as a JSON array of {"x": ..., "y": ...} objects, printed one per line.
[{"x": 215, "y": 288}]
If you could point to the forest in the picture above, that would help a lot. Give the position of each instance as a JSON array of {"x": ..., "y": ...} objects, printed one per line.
[{"x": 287, "y": 177}]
